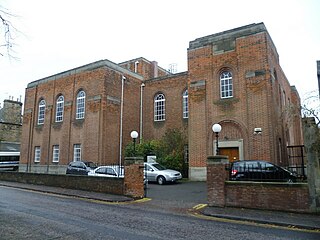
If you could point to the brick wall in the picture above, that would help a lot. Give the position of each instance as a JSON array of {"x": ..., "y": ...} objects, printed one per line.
[
  {"x": 131, "y": 185},
  {"x": 98, "y": 133},
  {"x": 271, "y": 196},
  {"x": 216, "y": 176},
  {"x": 95, "y": 184},
  {"x": 133, "y": 179},
  {"x": 148, "y": 69},
  {"x": 261, "y": 97},
  {"x": 172, "y": 87},
  {"x": 265, "y": 195}
]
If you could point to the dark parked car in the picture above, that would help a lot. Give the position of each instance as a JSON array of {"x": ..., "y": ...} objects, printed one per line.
[
  {"x": 80, "y": 167},
  {"x": 249, "y": 170}
]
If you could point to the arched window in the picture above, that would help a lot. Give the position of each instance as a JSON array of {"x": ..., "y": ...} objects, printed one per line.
[
  {"x": 59, "y": 109},
  {"x": 81, "y": 103},
  {"x": 159, "y": 107},
  {"x": 185, "y": 107},
  {"x": 41, "y": 112},
  {"x": 226, "y": 85}
]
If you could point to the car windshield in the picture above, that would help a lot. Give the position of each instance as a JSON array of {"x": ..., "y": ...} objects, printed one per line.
[{"x": 158, "y": 166}]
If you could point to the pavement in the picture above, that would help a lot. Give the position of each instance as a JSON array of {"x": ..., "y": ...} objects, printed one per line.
[
  {"x": 278, "y": 218},
  {"x": 283, "y": 219}
]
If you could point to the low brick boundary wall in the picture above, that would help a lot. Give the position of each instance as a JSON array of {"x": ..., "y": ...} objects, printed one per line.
[
  {"x": 131, "y": 185},
  {"x": 86, "y": 183},
  {"x": 260, "y": 195},
  {"x": 268, "y": 195}
]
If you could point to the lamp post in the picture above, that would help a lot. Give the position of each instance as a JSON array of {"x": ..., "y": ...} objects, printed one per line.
[
  {"x": 134, "y": 135},
  {"x": 216, "y": 128}
]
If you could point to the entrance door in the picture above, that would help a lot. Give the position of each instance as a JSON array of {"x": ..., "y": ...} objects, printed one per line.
[{"x": 231, "y": 152}]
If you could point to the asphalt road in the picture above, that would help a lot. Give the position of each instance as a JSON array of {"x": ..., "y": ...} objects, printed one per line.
[
  {"x": 183, "y": 192},
  {"x": 32, "y": 215}
]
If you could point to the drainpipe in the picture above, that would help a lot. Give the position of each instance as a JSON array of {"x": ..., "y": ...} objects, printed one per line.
[
  {"x": 141, "y": 108},
  {"x": 136, "y": 66},
  {"x": 123, "y": 78}
]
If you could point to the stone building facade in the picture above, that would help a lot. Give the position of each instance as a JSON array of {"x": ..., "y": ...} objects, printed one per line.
[
  {"x": 10, "y": 121},
  {"x": 233, "y": 78}
]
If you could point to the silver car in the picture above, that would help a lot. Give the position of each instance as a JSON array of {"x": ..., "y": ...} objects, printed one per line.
[{"x": 158, "y": 173}]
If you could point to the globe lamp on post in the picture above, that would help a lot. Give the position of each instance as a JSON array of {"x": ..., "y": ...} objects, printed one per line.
[
  {"x": 134, "y": 135},
  {"x": 216, "y": 128}
]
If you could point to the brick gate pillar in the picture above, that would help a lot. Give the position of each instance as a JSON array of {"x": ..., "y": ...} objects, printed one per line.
[
  {"x": 133, "y": 177},
  {"x": 216, "y": 177}
]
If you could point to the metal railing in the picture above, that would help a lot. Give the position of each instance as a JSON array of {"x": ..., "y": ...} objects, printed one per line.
[{"x": 259, "y": 171}]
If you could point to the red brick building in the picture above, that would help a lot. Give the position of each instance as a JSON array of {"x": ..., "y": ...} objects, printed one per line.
[{"x": 233, "y": 78}]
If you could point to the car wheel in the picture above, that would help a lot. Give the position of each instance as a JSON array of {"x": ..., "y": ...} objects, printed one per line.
[{"x": 161, "y": 180}]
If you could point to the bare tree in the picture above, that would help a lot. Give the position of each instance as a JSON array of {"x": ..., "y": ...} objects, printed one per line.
[
  {"x": 311, "y": 106},
  {"x": 7, "y": 31}
]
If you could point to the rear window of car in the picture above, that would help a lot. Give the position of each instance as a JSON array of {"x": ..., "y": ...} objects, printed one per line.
[
  {"x": 238, "y": 165},
  {"x": 91, "y": 164}
]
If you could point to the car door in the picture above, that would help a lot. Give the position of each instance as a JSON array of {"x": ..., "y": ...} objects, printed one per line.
[
  {"x": 82, "y": 169},
  {"x": 253, "y": 171},
  {"x": 270, "y": 171},
  {"x": 150, "y": 173},
  {"x": 75, "y": 168}
]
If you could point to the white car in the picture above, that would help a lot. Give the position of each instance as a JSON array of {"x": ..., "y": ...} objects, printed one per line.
[
  {"x": 155, "y": 172},
  {"x": 111, "y": 171},
  {"x": 107, "y": 171}
]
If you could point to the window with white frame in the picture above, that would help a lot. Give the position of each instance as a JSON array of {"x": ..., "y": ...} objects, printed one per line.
[
  {"x": 159, "y": 107},
  {"x": 226, "y": 85},
  {"x": 81, "y": 103},
  {"x": 55, "y": 153},
  {"x": 185, "y": 107},
  {"x": 37, "y": 154},
  {"x": 41, "y": 111},
  {"x": 59, "y": 109},
  {"x": 76, "y": 152}
]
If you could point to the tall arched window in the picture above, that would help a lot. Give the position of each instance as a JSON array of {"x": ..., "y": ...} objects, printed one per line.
[
  {"x": 41, "y": 112},
  {"x": 159, "y": 107},
  {"x": 226, "y": 85},
  {"x": 81, "y": 103},
  {"x": 185, "y": 107},
  {"x": 59, "y": 109}
]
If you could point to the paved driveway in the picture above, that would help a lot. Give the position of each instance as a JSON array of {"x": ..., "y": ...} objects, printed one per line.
[{"x": 188, "y": 192}]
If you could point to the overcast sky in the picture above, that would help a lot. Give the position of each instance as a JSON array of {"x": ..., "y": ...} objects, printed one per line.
[{"x": 58, "y": 35}]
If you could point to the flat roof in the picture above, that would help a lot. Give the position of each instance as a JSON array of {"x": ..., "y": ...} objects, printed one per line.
[
  {"x": 87, "y": 67},
  {"x": 232, "y": 33}
]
